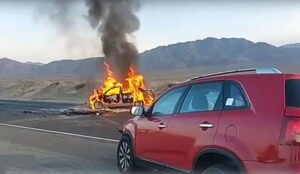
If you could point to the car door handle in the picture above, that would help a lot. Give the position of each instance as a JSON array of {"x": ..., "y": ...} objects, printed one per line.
[
  {"x": 161, "y": 126},
  {"x": 206, "y": 125}
]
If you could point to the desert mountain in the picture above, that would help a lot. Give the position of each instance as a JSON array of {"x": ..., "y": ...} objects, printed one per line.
[
  {"x": 216, "y": 53},
  {"x": 208, "y": 53},
  {"x": 295, "y": 45}
]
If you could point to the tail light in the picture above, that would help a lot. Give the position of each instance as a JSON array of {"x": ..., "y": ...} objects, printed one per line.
[{"x": 291, "y": 131}]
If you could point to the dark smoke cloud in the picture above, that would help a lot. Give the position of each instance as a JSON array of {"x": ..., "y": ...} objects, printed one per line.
[
  {"x": 95, "y": 11},
  {"x": 115, "y": 21},
  {"x": 60, "y": 14}
]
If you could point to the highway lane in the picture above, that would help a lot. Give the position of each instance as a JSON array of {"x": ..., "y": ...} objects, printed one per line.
[
  {"x": 56, "y": 153},
  {"x": 14, "y": 109},
  {"x": 107, "y": 126},
  {"x": 19, "y": 105},
  {"x": 83, "y": 144}
]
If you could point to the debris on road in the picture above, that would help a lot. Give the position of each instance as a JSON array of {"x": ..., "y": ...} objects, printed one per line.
[{"x": 79, "y": 110}]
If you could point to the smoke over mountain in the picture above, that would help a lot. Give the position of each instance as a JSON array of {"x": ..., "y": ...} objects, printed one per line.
[
  {"x": 60, "y": 13},
  {"x": 115, "y": 22}
]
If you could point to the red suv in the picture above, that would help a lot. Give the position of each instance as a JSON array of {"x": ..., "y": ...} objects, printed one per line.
[{"x": 232, "y": 122}]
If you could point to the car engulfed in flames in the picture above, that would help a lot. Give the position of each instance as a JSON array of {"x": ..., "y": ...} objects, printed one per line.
[{"x": 131, "y": 91}]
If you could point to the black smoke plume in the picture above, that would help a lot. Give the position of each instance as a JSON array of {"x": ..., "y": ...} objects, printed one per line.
[{"x": 115, "y": 21}]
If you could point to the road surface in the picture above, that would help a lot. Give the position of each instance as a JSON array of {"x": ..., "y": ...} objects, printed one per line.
[
  {"x": 34, "y": 143},
  {"x": 107, "y": 125},
  {"x": 40, "y": 152}
]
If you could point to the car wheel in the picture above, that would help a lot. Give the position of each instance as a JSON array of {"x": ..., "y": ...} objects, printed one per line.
[
  {"x": 220, "y": 169},
  {"x": 99, "y": 105},
  {"x": 125, "y": 156}
]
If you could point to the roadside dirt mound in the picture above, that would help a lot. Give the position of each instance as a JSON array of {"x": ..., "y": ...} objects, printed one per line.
[{"x": 45, "y": 90}]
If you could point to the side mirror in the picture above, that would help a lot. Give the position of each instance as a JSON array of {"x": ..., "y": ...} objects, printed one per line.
[{"x": 137, "y": 110}]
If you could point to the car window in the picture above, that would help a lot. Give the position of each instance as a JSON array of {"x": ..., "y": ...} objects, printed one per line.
[
  {"x": 292, "y": 93},
  {"x": 203, "y": 97},
  {"x": 234, "y": 97},
  {"x": 167, "y": 103}
]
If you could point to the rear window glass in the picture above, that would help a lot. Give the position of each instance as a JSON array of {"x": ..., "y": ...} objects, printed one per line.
[
  {"x": 292, "y": 93},
  {"x": 234, "y": 96}
]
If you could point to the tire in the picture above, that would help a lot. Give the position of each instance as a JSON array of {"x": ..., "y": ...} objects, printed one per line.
[
  {"x": 99, "y": 105},
  {"x": 125, "y": 157},
  {"x": 220, "y": 169}
]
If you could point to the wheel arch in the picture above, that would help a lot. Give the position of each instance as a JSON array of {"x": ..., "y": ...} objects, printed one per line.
[
  {"x": 128, "y": 134},
  {"x": 225, "y": 154}
]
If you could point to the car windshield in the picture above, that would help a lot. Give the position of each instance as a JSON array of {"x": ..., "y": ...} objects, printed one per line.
[{"x": 292, "y": 93}]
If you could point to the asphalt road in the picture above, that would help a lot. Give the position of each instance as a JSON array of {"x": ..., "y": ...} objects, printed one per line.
[
  {"x": 106, "y": 125},
  {"x": 59, "y": 143},
  {"x": 32, "y": 105},
  {"x": 41, "y": 152}
]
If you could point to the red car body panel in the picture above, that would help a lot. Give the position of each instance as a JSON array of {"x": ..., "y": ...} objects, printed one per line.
[
  {"x": 292, "y": 111},
  {"x": 266, "y": 96},
  {"x": 251, "y": 134},
  {"x": 150, "y": 139},
  {"x": 185, "y": 138}
]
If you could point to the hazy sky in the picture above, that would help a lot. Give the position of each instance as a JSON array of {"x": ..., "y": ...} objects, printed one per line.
[{"x": 28, "y": 33}]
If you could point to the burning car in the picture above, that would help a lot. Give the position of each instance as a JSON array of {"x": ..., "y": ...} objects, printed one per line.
[{"x": 131, "y": 91}]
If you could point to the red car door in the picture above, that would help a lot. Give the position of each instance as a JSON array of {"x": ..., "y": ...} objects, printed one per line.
[
  {"x": 151, "y": 129},
  {"x": 195, "y": 124}
]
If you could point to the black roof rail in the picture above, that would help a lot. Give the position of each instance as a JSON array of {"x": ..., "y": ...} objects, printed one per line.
[{"x": 256, "y": 70}]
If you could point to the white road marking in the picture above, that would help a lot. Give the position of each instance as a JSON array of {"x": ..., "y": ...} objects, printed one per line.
[{"x": 58, "y": 132}]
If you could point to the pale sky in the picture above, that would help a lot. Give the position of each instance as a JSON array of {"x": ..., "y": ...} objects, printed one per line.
[{"x": 27, "y": 34}]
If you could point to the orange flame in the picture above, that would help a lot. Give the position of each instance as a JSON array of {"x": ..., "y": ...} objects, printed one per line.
[
  {"x": 110, "y": 83},
  {"x": 133, "y": 85}
]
